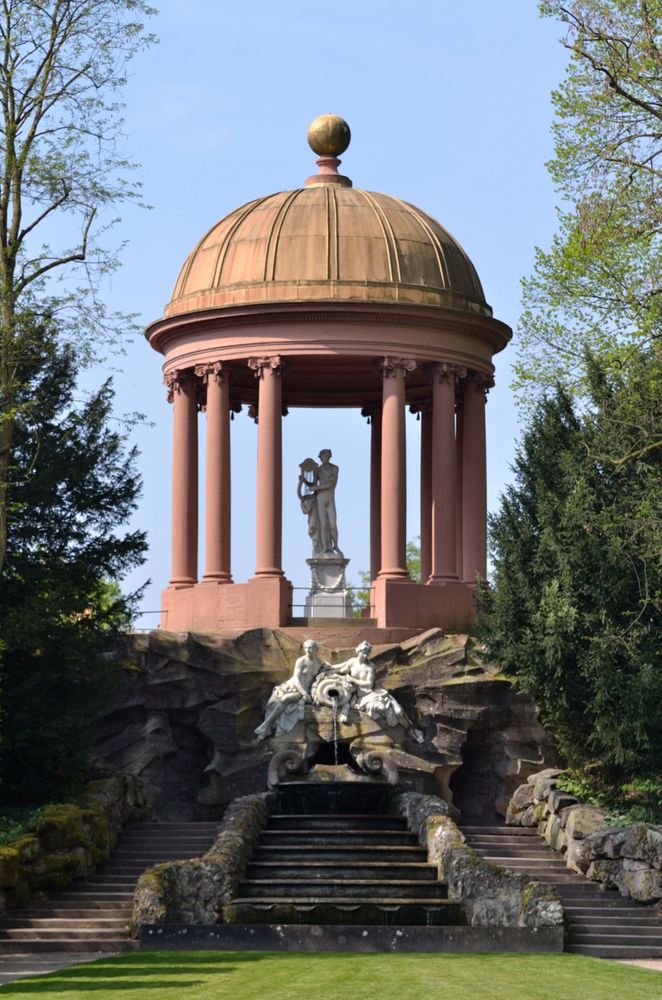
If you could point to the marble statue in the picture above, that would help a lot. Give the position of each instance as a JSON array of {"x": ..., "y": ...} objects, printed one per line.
[
  {"x": 341, "y": 687},
  {"x": 286, "y": 705},
  {"x": 374, "y": 701},
  {"x": 317, "y": 492}
]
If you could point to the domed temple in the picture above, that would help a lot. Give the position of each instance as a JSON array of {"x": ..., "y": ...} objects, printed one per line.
[{"x": 330, "y": 296}]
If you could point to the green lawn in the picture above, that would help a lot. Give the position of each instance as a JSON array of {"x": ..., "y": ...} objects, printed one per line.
[{"x": 196, "y": 975}]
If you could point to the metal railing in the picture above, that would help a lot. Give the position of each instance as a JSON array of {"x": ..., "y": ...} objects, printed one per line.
[{"x": 362, "y": 600}]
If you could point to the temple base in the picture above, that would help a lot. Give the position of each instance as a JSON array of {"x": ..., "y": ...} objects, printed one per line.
[
  {"x": 415, "y": 605},
  {"x": 208, "y": 606}
]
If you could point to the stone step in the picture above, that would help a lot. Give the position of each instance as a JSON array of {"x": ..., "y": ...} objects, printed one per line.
[
  {"x": 59, "y": 933},
  {"x": 340, "y": 870},
  {"x": 341, "y": 901},
  {"x": 173, "y": 827},
  {"x": 371, "y": 888},
  {"x": 499, "y": 831},
  {"x": 93, "y": 944},
  {"x": 623, "y": 939},
  {"x": 322, "y": 822},
  {"x": 16, "y": 923},
  {"x": 343, "y": 913},
  {"x": 615, "y": 950},
  {"x": 84, "y": 897},
  {"x": 341, "y": 853},
  {"x": 52, "y": 911},
  {"x": 357, "y": 838},
  {"x": 625, "y": 929},
  {"x": 609, "y": 912}
]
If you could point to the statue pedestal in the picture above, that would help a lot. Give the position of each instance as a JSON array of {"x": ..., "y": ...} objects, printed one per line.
[{"x": 328, "y": 597}]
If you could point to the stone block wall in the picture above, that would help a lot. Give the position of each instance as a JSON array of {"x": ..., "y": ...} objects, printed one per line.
[{"x": 626, "y": 858}]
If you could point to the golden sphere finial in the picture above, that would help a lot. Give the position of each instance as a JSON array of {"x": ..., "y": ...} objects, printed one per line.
[{"x": 329, "y": 135}]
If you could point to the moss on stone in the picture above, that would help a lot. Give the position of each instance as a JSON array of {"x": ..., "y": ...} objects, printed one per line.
[
  {"x": 61, "y": 826},
  {"x": 9, "y": 867},
  {"x": 28, "y": 847}
]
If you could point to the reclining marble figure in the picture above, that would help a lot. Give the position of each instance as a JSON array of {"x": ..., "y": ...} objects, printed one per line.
[
  {"x": 343, "y": 686},
  {"x": 287, "y": 702}
]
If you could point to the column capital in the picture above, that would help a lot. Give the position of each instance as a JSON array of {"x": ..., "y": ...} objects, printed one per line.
[
  {"x": 269, "y": 363},
  {"x": 392, "y": 367},
  {"x": 481, "y": 382},
  {"x": 445, "y": 371},
  {"x": 175, "y": 379},
  {"x": 213, "y": 369}
]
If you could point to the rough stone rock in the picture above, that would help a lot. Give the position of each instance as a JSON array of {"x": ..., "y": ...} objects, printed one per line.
[
  {"x": 522, "y": 797},
  {"x": 644, "y": 843},
  {"x": 491, "y": 896},
  {"x": 558, "y": 800},
  {"x": 580, "y": 821},
  {"x": 184, "y": 719},
  {"x": 604, "y": 871},
  {"x": 555, "y": 834},
  {"x": 607, "y": 842},
  {"x": 637, "y": 880},
  {"x": 544, "y": 782},
  {"x": 578, "y": 856}
]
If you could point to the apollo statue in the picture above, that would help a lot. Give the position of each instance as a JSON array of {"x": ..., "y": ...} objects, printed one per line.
[{"x": 316, "y": 490}]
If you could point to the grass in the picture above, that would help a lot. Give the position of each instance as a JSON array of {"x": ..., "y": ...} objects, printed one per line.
[{"x": 213, "y": 975}]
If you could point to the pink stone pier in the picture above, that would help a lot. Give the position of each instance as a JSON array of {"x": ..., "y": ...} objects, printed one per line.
[{"x": 336, "y": 297}]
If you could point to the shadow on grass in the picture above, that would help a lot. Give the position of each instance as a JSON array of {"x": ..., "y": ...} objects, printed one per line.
[{"x": 134, "y": 972}]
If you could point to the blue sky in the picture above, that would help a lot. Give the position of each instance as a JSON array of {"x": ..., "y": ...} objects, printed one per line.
[{"x": 449, "y": 106}]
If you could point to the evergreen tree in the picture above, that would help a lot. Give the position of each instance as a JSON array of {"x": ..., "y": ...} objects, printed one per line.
[
  {"x": 576, "y": 609},
  {"x": 72, "y": 487}
]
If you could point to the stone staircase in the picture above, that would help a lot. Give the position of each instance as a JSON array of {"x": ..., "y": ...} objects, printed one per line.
[
  {"x": 602, "y": 924},
  {"x": 94, "y": 915},
  {"x": 341, "y": 869}
]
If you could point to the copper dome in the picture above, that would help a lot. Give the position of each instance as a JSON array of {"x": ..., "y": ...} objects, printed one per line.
[{"x": 327, "y": 243}]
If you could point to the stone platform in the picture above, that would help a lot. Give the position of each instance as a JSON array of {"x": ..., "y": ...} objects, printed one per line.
[{"x": 289, "y": 938}]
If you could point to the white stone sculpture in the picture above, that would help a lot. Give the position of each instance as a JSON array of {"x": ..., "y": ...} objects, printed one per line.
[
  {"x": 317, "y": 492},
  {"x": 287, "y": 702},
  {"x": 374, "y": 701},
  {"x": 341, "y": 687}
]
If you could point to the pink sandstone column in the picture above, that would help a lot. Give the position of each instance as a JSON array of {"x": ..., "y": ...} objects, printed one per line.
[
  {"x": 217, "y": 474},
  {"x": 444, "y": 475},
  {"x": 182, "y": 390},
  {"x": 474, "y": 479},
  {"x": 268, "y": 534},
  {"x": 426, "y": 492},
  {"x": 459, "y": 435},
  {"x": 394, "y": 473},
  {"x": 374, "y": 414}
]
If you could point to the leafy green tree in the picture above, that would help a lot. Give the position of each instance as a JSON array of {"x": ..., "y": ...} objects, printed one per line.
[
  {"x": 576, "y": 608},
  {"x": 73, "y": 485},
  {"x": 62, "y": 66},
  {"x": 599, "y": 286},
  {"x": 361, "y": 597}
]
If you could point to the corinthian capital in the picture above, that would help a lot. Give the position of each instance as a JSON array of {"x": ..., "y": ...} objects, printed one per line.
[
  {"x": 446, "y": 371},
  {"x": 270, "y": 364},
  {"x": 392, "y": 367},
  {"x": 213, "y": 369}
]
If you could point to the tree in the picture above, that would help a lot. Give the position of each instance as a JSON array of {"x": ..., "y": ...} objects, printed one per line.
[
  {"x": 599, "y": 286},
  {"x": 73, "y": 486},
  {"x": 62, "y": 65},
  {"x": 576, "y": 609}
]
